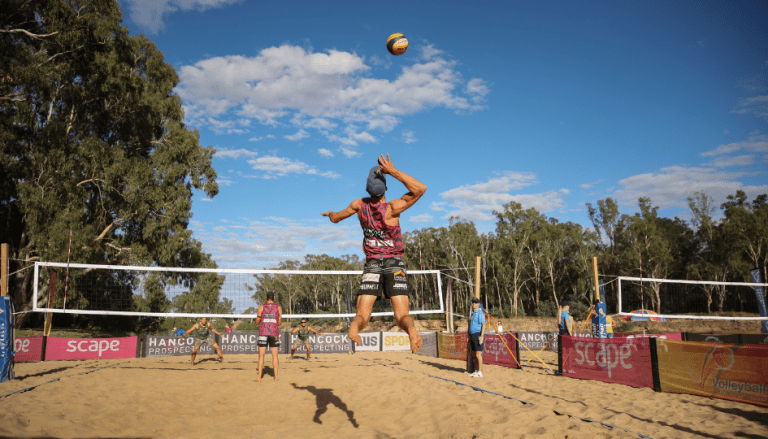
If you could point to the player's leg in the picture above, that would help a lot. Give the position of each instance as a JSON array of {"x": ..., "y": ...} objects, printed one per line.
[
  {"x": 194, "y": 353},
  {"x": 275, "y": 362},
  {"x": 405, "y": 322},
  {"x": 363, "y": 315},
  {"x": 262, "y": 352},
  {"x": 294, "y": 347},
  {"x": 306, "y": 345},
  {"x": 218, "y": 351}
]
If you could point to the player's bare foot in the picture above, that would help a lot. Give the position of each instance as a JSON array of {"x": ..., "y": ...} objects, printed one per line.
[
  {"x": 258, "y": 380},
  {"x": 353, "y": 335},
  {"x": 416, "y": 340},
  {"x": 221, "y": 359}
]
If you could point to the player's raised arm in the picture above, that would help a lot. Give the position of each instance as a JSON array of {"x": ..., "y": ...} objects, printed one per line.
[
  {"x": 352, "y": 209},
  {"x": 415, "y": 187}
]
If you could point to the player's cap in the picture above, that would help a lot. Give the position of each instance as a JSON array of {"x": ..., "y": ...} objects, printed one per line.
[
  {"x": 270, "y": 294},
  {"x": 475, "y": 300},
  {"x": 377, "y": 182},
  {"x": 565, "y": 303}
]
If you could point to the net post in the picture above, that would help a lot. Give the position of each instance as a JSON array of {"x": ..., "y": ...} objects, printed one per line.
[
  {"x": 34, "y": 287},
  {"x": 478, "y": 262},
  {"x": 597, "y": 285},
  {"x": 618, "y": 288},
  {"x": 3, "y": 269}
]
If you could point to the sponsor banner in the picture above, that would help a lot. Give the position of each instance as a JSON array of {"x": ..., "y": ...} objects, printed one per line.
[
  {"x": 671, "y": 336},
  {"x": 28, "y": 349},
  {"x": 371, "y": 341},
  {"x": 494, "y": 351},
  {"x": 754, "y": 338},
  {"x": 395, "y": 341},
  {"x": 6, "y": 337},
  {"x": 725, "y": 371},
  {"x": 90, "y": 348},
  {"x": 711, "y": 338},
  {"x": 330, "y": 343},
  {"x": 618, "y": 360},
  {"x": 429, "y": 345},
  {"x": 452, "y": 345},
  {"x": 760, "y": 296},
  {"x": 537, "y": 340},
  {"x": 237, "y": 342},
  {"x": 165, "y": 346}
]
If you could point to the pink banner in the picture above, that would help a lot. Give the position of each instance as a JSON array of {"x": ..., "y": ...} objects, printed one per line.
[
  {"x": 494, "y": 351},
  {"x": 90, "y": 348},
  {"x": 28, "y": 349},
  {"x": 617, "y": 360}
]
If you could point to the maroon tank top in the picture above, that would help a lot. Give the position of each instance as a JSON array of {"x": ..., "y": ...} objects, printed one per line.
[
  {"x": 380, "y": 240},
  {"x": 269, "y": 316}
]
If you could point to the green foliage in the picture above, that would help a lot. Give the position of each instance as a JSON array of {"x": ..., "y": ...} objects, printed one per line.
[
  {"x": 92, "y": 141},
  {"x": 546, "y": 308}
]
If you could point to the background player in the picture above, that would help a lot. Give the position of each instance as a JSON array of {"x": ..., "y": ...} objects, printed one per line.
[
  {"x": 270, "y": 316},
  {"x": 303, "y": 331},
  {"x": 203, "y": 336}
]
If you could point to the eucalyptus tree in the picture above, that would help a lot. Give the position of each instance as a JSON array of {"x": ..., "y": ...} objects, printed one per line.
[{"x": 92, "y": 140}]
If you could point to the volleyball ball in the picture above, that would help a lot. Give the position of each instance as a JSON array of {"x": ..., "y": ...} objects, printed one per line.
[{"x": 397, "y": 44}]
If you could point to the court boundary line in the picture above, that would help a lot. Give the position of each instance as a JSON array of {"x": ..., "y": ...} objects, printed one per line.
[
  {"x": 478, "y": 389},
  {"x": 56, "y": 379}
]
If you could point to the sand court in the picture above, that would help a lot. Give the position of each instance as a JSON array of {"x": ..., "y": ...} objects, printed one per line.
[{"x": 371, "y": 394}]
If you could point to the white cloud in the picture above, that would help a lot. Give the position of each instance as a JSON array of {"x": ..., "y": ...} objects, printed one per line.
[
  {"x": 149, "y": 14},
  {"x": 274, "y": 166},
  {"x": 476, "y": 202},
  {"x": 325, "y": 152},
  {"x": 330, "y": 92},
  {"x": 301, "y": 134},
  {"x": 409, "y": 136},
  {"x": 755, "y": 143},
  {"x": 260, "y": 138},
  {"x": 670, "y": 186},
  {"x": 740, "y": 160},
  {"x": 757, "y": 105},
  {"x": 224, "y": 153},
  {"x": 423, "y": 218}
]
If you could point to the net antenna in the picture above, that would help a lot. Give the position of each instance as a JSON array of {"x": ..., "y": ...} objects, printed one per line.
[
  {"x": 117, "y": 289},
  {"x": 686, "y": 299}
]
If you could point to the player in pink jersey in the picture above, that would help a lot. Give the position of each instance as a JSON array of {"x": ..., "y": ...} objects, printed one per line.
[
  {"x": 270, "y": 316},
  {"x": 383, "y": 246}
]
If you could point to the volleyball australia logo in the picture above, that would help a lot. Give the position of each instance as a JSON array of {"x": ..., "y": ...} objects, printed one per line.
[{"x": 718, "y": 360}]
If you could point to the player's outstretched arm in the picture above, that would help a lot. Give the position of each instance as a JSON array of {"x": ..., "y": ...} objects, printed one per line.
[
  {"x": 415, "y": 187},
  {"x": 352, "y": 209},
  {"x": 318, "y": 333},
  {"x": 189, "y": 330},
  {"x": 294, "y": 330}
]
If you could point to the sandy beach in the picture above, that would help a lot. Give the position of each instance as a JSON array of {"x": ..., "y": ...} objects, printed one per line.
[{"x": 377, "y": 394}]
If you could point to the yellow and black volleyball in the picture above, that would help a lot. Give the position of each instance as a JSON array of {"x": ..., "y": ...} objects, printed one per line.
[{"x": 397, "y": 44}]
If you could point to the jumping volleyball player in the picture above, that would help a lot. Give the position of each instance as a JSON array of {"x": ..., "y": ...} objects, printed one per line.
[
  {"x": 270, "y": 316},
  {"x": 384, "y": 269},
  {"x": 203, "y": 336}
]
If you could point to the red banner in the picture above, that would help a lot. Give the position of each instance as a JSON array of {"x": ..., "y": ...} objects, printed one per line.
[
  {"x": 725, "y": 371},
  {"x": 90, "y": 348},
  {"x": 494, "y": 351},
  {"x": 618, "y": 360},
  {"x": 452, "y": 346},
  {"x": 28, "y": 349}
]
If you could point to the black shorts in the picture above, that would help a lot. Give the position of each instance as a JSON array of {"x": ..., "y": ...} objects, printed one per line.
[
  {"x": 268, "y": 341},
  {"x": 475, "y": 340},
  {"x": 384, "y": 275}
]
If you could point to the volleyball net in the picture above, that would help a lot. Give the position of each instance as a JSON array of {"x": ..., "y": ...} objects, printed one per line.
[
  {"x": 691, "y": 299},
  {"x": 214, "y": 292}
]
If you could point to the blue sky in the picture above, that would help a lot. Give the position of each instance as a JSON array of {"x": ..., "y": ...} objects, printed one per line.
[{"x": 553, "y": 104}]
